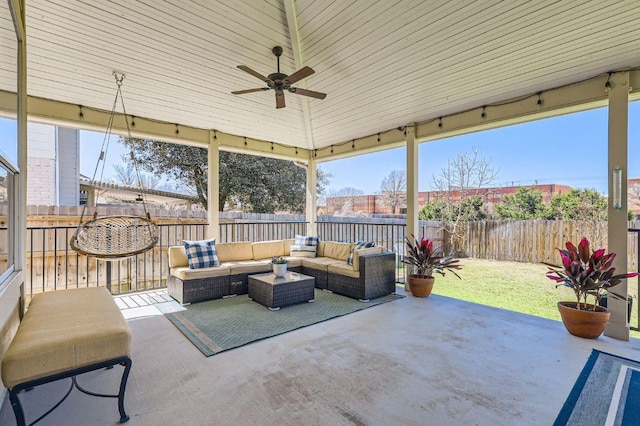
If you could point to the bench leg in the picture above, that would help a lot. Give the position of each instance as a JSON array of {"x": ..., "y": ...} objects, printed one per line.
[
  {"x": 17, "y": 407},
  {"x": 123, "y": 385}
]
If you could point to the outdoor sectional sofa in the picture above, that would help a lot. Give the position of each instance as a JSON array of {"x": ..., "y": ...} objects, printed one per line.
[{"x": 371, "y": 275}]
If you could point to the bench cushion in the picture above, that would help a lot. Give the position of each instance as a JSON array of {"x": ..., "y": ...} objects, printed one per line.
[
  {"x": 248, "y": 266},
  {"x": 64, "y": 330},
  {"x": 343, "y": 269}
]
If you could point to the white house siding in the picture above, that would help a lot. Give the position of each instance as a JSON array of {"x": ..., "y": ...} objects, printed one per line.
[
  {"x": 68, "y": 164},
  {"x": 49, "y": 185},
  {"x": 41, "y": 164}
]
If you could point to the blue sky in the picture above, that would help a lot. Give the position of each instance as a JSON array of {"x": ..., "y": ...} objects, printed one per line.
[{"x": 569, "y": 149}]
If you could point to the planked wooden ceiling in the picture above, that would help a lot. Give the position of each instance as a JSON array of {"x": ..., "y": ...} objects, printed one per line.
[{"x": 382, "y": 63}]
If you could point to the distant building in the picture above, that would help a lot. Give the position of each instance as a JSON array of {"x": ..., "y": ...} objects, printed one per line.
[{"x": 372, "y": 204}]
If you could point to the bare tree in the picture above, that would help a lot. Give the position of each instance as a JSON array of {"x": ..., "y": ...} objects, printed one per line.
[
  {"x": 463, "y": 178},
  {"x": 394, "y": 190},
  {"x": 343, "y": 200},
  {"x": 634, "y": 193},
  {"x": 127, "y": 176}
]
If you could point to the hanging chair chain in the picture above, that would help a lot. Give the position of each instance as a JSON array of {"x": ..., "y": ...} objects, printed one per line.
[{"x": 119, "y": 78}]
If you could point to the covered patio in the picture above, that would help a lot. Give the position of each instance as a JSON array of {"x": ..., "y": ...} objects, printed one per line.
[
  {"x": 395, "y": 74},
  {"x": 405, "y": 362}
]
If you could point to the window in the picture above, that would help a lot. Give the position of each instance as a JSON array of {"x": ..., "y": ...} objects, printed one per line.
[{"x": 7, "y": 227}]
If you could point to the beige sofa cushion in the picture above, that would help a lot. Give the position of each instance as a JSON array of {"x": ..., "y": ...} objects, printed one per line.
[
  {"x": 230, "y": 252},
  {"x": 294, "y": 262},
  {"x": 186, "y": 274},
  {"x": 339, "y": 251},
  {"x": 177, "y": 257},
  {"x": 303, "y": 254},
  {"x": 365, "y": 251},
  {"x": 248, "y": 266},
  {"x": 320, "y": 250},
  {"x": 343, "y": 269},
  {"x": 64, "y": 330},
  {"x": 268, "y": 249},
  {"x": 321, "y": 263},
  {"x": 287, "y": 246}
]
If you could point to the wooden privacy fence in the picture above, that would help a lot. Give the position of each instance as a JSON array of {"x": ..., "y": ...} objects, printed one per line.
[{"x": 538, "y": 240}]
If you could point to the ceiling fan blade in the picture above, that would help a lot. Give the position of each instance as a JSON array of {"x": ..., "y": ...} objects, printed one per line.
[
  {"x": 280, "y": 100},
  {"x": 305, "y": 92},
  {"x": 300, "y": 74},
  {"x": 242, "y": 92},
  {"x": 253, "y": 73}
]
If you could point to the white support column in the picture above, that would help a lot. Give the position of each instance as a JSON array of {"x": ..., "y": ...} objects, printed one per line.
[
  {"x": 18, "y": 8},
  {"x": 213, "y": 188},
  {"x": 412, "y": 182},
  {"x": 413, "y": 225},
  {"x": 618, "y": 326},
  {"x": 312, "y": 198}
]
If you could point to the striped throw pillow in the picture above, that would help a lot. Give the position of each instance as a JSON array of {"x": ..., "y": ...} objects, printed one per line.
[
  {"x": 201, "y": 254},
  {"x": 359, "y": 245}
]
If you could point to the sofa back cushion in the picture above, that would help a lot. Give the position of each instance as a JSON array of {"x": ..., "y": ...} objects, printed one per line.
[
  {"x": 268, "y": 249},
  {"x": 229, "y": 252},
  {"x": 177, "y": 257},
  {"x": 320, "y": 249},
  {"x": 287, "y": 246},
  {"x": 334, "y": 250}
]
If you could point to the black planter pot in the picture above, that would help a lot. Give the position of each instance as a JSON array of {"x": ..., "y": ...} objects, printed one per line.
[{"x": 603, "y": 303}]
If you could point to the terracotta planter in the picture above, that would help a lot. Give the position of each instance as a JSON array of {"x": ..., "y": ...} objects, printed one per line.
[
  {"x": 587, "y": 324},
  {"x": 421, "y": 287}
]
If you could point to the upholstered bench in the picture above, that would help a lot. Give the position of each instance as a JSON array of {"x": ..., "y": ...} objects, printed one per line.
[{"x": 63, "y": 334}]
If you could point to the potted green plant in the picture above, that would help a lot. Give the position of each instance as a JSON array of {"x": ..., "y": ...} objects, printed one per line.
[
  {"x": 587, "y": 273},
  {"x": 279, "y": 266},
  {"x": 426, "y": 260}
]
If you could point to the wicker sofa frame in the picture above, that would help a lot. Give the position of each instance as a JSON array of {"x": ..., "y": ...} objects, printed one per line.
[{"x": 376, "y": 278}]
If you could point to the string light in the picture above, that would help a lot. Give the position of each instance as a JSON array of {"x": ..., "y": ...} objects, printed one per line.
[
  {"x": 353, "y": 144},
  {"x": 81, "y": 113},
  {"x": 215, "y": 135},
  {"x": 332, "y": 149},
  {"x": 177, "y": 130},
  {"x": 378, "y": 137},
  {"x": 315, "y": 152},
  {"x": 440, "y": 123},
  {"x": 608, "y": 85},
  {"x": 484, "y": 112},
  {"x": 271, "y": 146},
  {"x": 539, "y": 103},
  {"x": 133, "y": 121},
  {"x": 245, "y": 141},
  {"x": 296, "y": 150}
]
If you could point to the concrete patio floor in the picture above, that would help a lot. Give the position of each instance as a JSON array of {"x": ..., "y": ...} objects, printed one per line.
[{"x": 435, "y": 361}]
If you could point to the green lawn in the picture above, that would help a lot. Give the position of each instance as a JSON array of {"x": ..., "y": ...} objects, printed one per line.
[{"x": 520, "y": 287}]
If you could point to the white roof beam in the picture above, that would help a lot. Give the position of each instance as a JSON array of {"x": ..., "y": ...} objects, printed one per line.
[{"x": 292, "y": 24}]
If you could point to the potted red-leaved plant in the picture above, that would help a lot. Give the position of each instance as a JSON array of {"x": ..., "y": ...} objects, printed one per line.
[
  {"x": 426, "y": 260},
  {"x": 589, "y": 274}
]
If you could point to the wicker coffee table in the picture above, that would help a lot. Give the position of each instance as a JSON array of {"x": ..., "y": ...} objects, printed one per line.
[{"x": 274, "y": 292}]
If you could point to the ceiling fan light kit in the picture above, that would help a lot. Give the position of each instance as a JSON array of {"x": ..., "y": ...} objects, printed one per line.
[{"x": 279, "y": 82}]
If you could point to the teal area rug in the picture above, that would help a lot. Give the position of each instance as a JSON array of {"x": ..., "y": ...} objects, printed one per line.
[
  {"x": 607, "y": 392},
  {"x": 219, "y": 325}
]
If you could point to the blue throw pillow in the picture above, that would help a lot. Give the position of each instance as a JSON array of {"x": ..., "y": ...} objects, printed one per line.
[
  {"x": 201, "y": 254},
  {"x": 359, "y": 245}
]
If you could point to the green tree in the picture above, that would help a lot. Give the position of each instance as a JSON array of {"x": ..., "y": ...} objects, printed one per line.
[
  {"x": 579, "y": 204},
  {"x": 255, "y": 184},
  {"x": 525, "y": 204}
]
